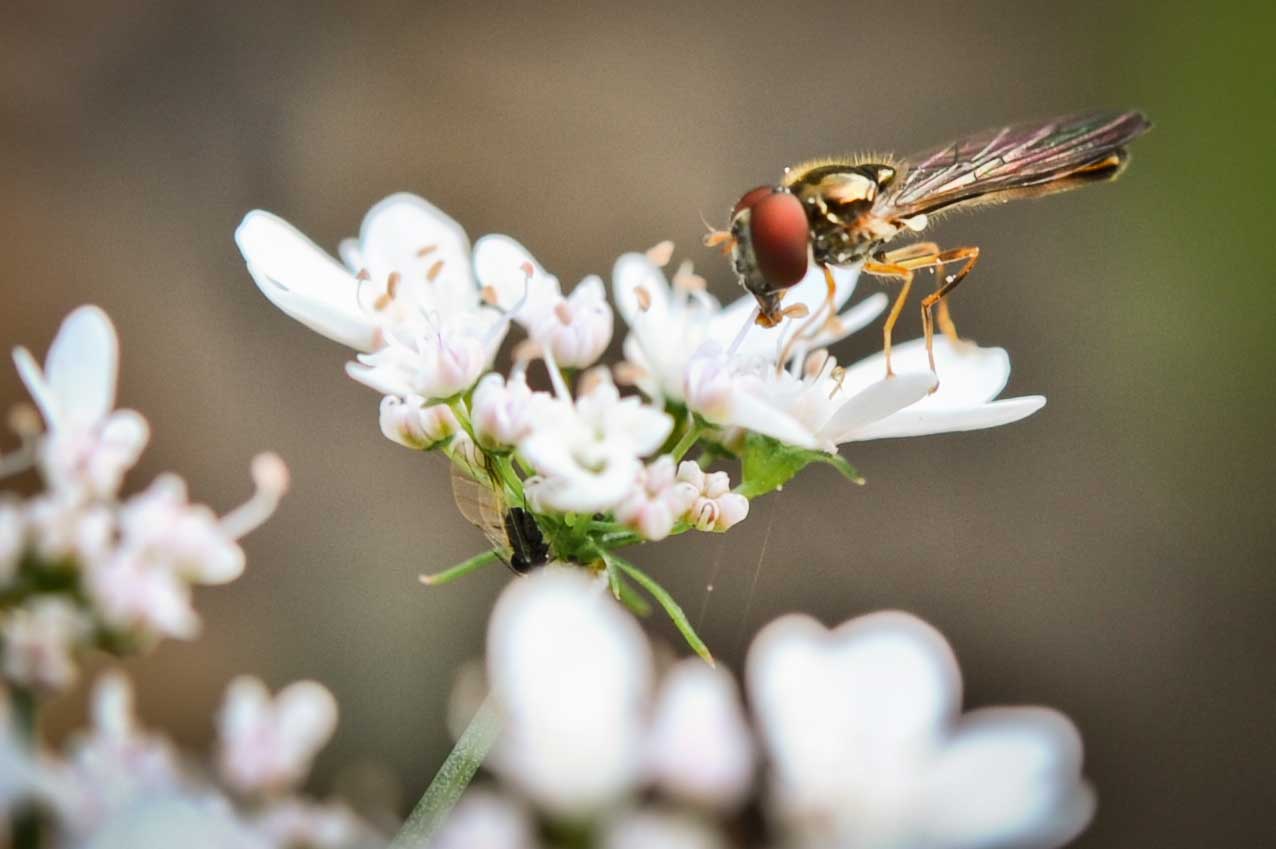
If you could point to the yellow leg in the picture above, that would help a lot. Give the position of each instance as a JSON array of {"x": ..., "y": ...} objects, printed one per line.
[{"x": 900, "y": 272}]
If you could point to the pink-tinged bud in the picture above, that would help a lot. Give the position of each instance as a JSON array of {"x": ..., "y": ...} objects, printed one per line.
[
  {"x": 414, "y": 425},
  {"x": 656, "y": 502},
  {"x": 501, "y": 410},
  {"x": 579, "y": 328},
  {"x": 733, "y": 508},
  {"x": 708, "y": 386}
]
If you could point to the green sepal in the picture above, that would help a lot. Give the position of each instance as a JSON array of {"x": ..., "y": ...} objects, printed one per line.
[{"x": 769, "y": 464}]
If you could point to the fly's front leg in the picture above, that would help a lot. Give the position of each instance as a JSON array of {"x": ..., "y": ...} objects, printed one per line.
[{"x": 900, "y": 272}]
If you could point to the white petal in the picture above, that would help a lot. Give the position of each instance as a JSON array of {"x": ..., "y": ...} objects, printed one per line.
[
  {"x": 750, "y": 412},
  {"x": 1009, "y": 777},
  {"x": 33, "y": 377},
  {"x": 651, "y": 829},
  {"x": 854, "y": 319},
  {"x": 81, "y": 367},
  {"x": 483, "y": 820},
  {"x": 307, "y": 713},
  {"x": 303, "y": 281},
  {"x": 919, "y": 421},
  {"x": 634, "y": 271},
  {"x": 394, "y": 233},
  {"x": 499, "y": 263},
  {"x": 968, "y": 374},
  {"x": 874, "y": 403},
  {"x": 570, "y": 671}
]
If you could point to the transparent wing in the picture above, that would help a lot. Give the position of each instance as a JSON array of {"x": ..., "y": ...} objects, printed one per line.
[
  {"x": 482, "y": 507},
  {"x": 1024, "y": 159}
]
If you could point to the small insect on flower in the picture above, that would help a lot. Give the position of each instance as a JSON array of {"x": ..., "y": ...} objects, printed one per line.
[
  {"x": 841, "y": 212},
  {"x": 512, "y": 531}
]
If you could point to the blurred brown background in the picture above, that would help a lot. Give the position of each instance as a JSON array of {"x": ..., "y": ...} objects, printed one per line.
[{"x": 1112, "y": 556}]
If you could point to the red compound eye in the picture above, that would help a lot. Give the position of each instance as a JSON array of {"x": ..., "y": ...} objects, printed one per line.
[
  {"x": 780, "y": 237},
  {"x": 751, "y": 197}
]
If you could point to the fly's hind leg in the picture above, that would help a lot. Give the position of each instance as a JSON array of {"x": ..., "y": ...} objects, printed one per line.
[{"x": 968, "y": 256}]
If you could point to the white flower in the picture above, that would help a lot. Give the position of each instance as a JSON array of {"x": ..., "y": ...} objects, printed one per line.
[
  {"x": 868, "y": 749},
  {"x": 40, "y": 639},
  {"x": 575, "y": 330},
  {"x": 588, "y": 452},
  {"x": 483, "y": 820},
  {"x": 61, "y": 526},
  {"x": 267, "y": 745},
  {"x": 87, "y": 446},
  {"x": 160, "y": 527},
  {"x": 699, "y": 747},
  {"x": 656, "y": 501},
  {"x": 292, "y": 822},
  {"x": 715, "y": 507},
  {"x": 828, "y": 406},
  {"x": 501, "y": 410},
  {"x": 414, "y": 424},
  {"x": 131, "y": 595},
  {"x": 669, "y": 325},
  {"x": 411, "y": 262},
  {"x": 652, "y": 829},
  {"x": 115, "y": 766},
  {"x": 570, "y": 672}
]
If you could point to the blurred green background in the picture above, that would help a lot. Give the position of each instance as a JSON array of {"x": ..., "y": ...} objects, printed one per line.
[{"x": 1112, "y": 556}]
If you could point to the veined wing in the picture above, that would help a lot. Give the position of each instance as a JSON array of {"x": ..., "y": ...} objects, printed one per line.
[
  {"x": 1015, "y": 161},
  {"x": 482, "y": 507}
]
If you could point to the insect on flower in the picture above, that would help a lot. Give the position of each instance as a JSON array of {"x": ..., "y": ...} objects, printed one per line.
[
  {"x": 511, "y": 531},
  {"x": 844, "y": 211}
]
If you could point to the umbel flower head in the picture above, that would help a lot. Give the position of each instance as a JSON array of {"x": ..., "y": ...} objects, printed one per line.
[
  {"x": 860, "y": 728},
  {"x": 584, "y": 469},
  {"x": 82, "y": 565}
]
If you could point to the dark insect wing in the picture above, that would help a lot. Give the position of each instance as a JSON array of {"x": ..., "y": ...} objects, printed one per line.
[{"x": 1007, "y": 162}]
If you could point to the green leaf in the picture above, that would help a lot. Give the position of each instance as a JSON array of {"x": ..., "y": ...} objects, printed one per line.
[
  {"x": 662, "y": 597},
  {"x": 461, "y": 569},
  {"x": 769, "y": 464}
]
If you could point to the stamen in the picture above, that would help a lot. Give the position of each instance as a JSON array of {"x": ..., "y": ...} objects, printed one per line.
[
  {"x": 590, "y": 380},
  {"x": 815, "y": 362},
  {"x": 427, "y": 250},
  {"x": 526, "y": 351},
  {"x": 838, "y": 374},
  {"x": 563, "y": 312},
  {"x": 661, "y": 254},
  {"x": 556, "y": 376},
  {"x": 644, "y": 298},
  {"x": 490, "y": 296},
  {"x": 687, "y": 280},
  {"x": 270, "y": 476},
  {"x": 433, "y": 273},
  {"x": 744, "y": 331},
  {"x": 796, "y": 311},
  {"x": 392, "y": 284},
  {"x": 529, "y": 270},
  {"x": 24, "y": 420},
  {"x": 363, "y": 276}
]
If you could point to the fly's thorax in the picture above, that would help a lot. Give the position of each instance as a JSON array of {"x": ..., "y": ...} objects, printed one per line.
[{"x": 838, "y": 199}]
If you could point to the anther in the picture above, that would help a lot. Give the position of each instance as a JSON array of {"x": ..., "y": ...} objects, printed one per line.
[
  {"x": 563, "y": 312},
  {"x": 661, "y": 254},
  {"x": 627, "y": 373},
  {"x": 591, "y": 380},
  {"x": 529, "y": 270},
  {"x": 838, "y": 374},
  {"x": 687, "y": 280},
  {"x": 490, "y": 296},
  {"x": 815, "y": 362},
  {"x": 644, "y": 298},
  {"x": 24, "y": 420},
  {"x": 427, "y": 250},
  {"x": 433, "y": 273},
  {"x": 363, "y": 275},
  {"x": 796, "y": 311}
]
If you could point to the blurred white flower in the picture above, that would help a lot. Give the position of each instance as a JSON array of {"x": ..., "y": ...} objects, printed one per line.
[
  {"x": 431, "y": 360},
  {"x": 715, "y": 507},
  {"x": 483, "y": 820},
  {"x": 868, "y": 750},
  {"x": 651, "y": 829},
  {"x": 39, "y": 642},
  {"x": 700, "y": 748},
  {"x": 87, "y": 446},
  {"x": 294, "y": 822},
  {"x": 410, "y": 266},
  {"x": 501, "y": 410},
  {"x": 656, "y": 501},
  {"x": 413, "y": 423},
  {"x": 61, "y": 526},
  {"x": 570, "y": 672},
  {"x": 147, "y": 601},
  {"x": 267, "y": 745},
  {"x": 161, "y": 526},
  {"x": 828, "y": 406},
  {"x": 587, "y": 453},
  {"x": 668, "y": 324},
  {"x": 575, "y": 329},
  {"x": 114, "y": 766}
]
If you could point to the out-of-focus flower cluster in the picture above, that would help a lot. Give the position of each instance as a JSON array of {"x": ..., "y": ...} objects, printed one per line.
[
  {"x": 856, "y": 740},
  {"x": 81, "y": 564},
  {"x": 119, "y": 785},
  {"x": 590, "y": 469}
]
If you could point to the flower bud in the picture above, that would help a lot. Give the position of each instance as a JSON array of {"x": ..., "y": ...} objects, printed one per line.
[
  {"x": 500, "y": 411},
  {"x": 414, "y": 425}
]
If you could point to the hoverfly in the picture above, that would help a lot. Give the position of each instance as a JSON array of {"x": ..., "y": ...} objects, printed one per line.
[
  {"x": 511, "y": 531},
  {"x": 844, "y": 211}
]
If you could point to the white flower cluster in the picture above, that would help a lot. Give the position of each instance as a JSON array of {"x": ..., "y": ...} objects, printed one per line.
[
  {"x": 80, "y": 564},
  {"x": 859, "y": 728},
  {"x": 119, "y": 785},
  {"x": 597, "y": 469}
]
